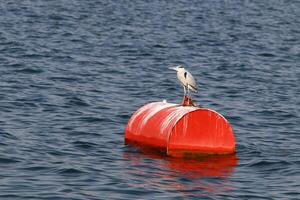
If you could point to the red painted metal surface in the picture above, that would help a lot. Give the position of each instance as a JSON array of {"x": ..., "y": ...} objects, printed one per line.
[{"x": 180, "y": 130}]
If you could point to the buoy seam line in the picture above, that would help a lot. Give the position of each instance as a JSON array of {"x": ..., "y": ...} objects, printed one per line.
[
  {"x": 175, "y": 113},
  {"x": 170, "y": 132}
]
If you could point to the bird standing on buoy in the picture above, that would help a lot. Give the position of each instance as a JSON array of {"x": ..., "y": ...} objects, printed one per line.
[{"x": 186, "y": 79}]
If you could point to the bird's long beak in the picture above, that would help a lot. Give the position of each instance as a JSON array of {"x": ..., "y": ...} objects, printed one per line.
[{"x": 173, "y": 68}]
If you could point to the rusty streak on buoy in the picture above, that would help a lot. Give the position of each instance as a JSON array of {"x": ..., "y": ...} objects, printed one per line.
[{"x": 180, "y": 130}]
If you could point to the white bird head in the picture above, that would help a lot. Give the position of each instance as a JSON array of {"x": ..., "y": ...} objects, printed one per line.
[{"x": 178, "y": 68}]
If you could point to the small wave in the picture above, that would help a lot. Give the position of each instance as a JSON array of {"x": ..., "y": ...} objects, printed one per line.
[
  {"x": 160, "y": 46},
  {"x": 15, "y": 65},
  {"x": 84, "y": 145},
  {"x": 77, "y": 102},
  {"x": 266, "y": 55},
  {"x": 55, "y": 17},
  {"x": 270, "y": 164},
  {"x": 63, "y": 79},
  {"x": 124, "y": 116},
  {"x": 29, "y": 71},
  {"x": 184, "y": 41},
  {"x": 70, "y": 171},
  {"x": 34, "y": 56},
  {"x": 36, "y": 168},
  {"x": 7, "y": 135},
  {"x": 8, "y": 160},
  {"x": 112, "y": 71},
  {"x": 95, "y": 119}
]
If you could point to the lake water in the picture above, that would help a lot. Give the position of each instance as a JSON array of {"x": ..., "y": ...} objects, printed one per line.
[{"x": 73, "y": 72}]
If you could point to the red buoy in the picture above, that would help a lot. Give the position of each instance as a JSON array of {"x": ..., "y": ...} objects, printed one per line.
[{"x": 180, "y": 130}]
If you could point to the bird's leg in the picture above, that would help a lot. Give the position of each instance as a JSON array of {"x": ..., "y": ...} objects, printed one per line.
[{"x": 184, "y": 89}]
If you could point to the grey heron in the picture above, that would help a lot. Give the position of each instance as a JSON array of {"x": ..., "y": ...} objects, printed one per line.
[{"x": 186, "y": 79}]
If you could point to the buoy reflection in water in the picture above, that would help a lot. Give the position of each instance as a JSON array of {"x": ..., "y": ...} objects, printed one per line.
[{"x": 208, "y": 175}]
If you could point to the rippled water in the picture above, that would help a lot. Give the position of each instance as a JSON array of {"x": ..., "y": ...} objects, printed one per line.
[{"x": 73, "y": 72}]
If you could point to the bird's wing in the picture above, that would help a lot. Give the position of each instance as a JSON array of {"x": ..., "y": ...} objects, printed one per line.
[{"x": 191, "y": 81}]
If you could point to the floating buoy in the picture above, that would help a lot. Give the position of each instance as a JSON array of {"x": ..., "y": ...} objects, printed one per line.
[{"x": 180, "y": 130}]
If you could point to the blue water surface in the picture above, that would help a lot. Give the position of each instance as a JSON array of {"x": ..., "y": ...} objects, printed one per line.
[{"x": 72, "y": 73}]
